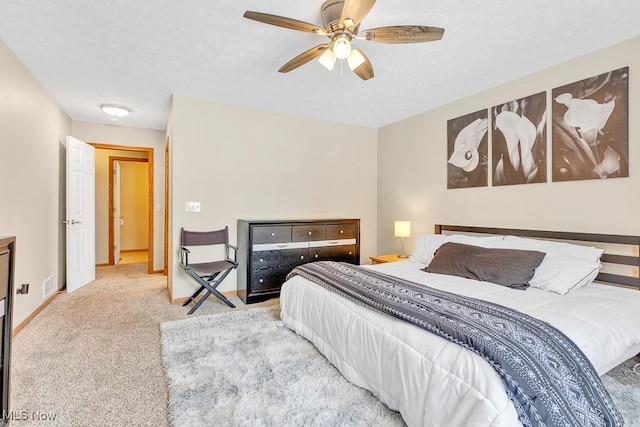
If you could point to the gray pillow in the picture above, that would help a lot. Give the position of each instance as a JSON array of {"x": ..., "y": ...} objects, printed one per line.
[{"x": 507, "y": 267}]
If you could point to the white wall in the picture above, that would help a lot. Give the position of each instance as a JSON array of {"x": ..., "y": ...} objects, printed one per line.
[
  {"x": 244, "y": 163},
  {"x": 32, "y": 135},
  {"x": 412, "y": 171},
  {"x": 135, "y": 137}
]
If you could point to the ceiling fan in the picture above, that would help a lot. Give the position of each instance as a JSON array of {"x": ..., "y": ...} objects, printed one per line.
[{"x": 341, "y": 20}]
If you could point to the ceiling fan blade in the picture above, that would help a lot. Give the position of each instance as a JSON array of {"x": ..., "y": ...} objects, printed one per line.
[
  {"x": 356, "y": 10},
  {"x": 281, "y": 21},
  {"x": 403, "y": 34},
  {"x": 364, "y": 70},
  {"x": 304, "y": 57}
]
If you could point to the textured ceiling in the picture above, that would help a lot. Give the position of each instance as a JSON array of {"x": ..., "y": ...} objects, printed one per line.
[{"x": 139, "y": 53}]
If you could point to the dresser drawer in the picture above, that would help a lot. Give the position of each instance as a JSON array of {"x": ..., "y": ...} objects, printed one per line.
[
  {"x": 271, "y": 234},
  {"x": 305, "y": 233},
  {"x": 344, "y": 253},
  {"x": 262, "y": 281},
  {"x": 340, "y": 231},
  {"x": 269, "y": 268},
  {"x": 278, "y": 259}
]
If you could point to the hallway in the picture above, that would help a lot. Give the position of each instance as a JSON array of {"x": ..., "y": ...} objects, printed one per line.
[{"x": 133, "y": 257}]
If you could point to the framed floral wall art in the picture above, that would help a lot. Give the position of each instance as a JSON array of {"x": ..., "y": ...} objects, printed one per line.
[
  {"x": 590, "y": 128},
  {"x": 519, "y": 141},
  {"x": 467, "y": 148}
]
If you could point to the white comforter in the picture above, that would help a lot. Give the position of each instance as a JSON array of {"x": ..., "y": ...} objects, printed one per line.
[{"x": 433, "y": 382}]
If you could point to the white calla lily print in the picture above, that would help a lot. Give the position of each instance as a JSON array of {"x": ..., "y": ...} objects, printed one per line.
[
  {"x": 519, "y": 141},
  {"x": 465, "y": 150},
  {"x": 589, "y": 117},
  {"x": 520, "y": 135},
  {"x": 590, "y": 127}
]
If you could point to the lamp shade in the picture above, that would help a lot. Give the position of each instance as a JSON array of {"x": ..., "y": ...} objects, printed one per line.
[{"x": 402, "y": 229}]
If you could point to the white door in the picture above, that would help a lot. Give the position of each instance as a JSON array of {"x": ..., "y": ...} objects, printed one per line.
[
  {"x": 80, "y": 221},
  {"x": 117, "y": 217}
]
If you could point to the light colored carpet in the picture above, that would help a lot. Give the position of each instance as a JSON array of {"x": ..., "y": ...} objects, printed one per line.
[
  {"x": 246, "y": 369},
  {"x": 92, "y": 357}
]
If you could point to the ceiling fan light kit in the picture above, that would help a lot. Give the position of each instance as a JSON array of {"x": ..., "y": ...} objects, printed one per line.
[
  {"x": 341, "y": 46},
  {"x": 327, "y": 59},
  {"x": 355, "y": 59},
  {"x": 341, "y": 20}
]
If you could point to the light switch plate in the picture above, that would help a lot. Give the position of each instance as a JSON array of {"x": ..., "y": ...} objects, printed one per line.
[{"x": 193, "y": 207}]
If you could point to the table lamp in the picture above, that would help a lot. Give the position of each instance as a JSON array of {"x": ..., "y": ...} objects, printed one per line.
[{"x": 402, "y": 229}]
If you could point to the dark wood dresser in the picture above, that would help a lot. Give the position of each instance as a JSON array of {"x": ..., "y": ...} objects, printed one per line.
[
  {"x": 269, "y": 249},
  {"x": 7, "y": 256}
]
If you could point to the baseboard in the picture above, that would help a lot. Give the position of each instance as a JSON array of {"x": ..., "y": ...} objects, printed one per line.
[
  {"x": 185, "y": 299},
  {"x": 35, "y": 312},
  {"x": 134, "y": 250},
  {"x": 103, "y": 264}
]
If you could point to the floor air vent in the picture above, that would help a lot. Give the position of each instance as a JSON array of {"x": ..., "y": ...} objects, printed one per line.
[{"x": 47, "y": 287}]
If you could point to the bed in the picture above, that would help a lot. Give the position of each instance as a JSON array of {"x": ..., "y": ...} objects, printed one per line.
[{"x": 435, "y": 382}]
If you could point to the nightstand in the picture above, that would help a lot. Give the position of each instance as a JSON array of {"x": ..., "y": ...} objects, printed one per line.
[{"x": 379, "y": 259}]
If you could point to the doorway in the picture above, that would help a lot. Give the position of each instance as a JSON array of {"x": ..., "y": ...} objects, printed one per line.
[
  {"x": 128, "y": 208},
  {"x": 104, "y": 200}
]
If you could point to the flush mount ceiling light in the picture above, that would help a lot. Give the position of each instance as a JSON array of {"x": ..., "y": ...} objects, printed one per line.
[{"x": 115, "y": 110}]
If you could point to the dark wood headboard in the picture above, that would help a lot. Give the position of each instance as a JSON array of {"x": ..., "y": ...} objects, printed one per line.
[{"x": 631, "y": 243}]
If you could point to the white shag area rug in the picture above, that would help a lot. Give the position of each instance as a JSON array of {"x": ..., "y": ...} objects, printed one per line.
[{"x": 245, "y": 368}]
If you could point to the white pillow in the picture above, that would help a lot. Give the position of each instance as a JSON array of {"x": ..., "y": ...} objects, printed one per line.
[
  {"x": 427, "y": 244},
  {"x": 561, "y": 273},
  {"x": 588, "y": 253},
  {"x": 565, "y": 267}
]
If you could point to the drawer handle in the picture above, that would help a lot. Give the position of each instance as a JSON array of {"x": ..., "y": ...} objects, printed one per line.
[
  {"x": 273, "y": 234},
  {"x": 350, "y": 253},
  {"x": 261, "y": 281},
  {"x": 261, "y": 260},
  {"x": 310, "y": 233},
  {"x": 316, "y": 255},
  {"x": 341, "y": 231},
  {"x": 282, "y": 246},
  {"x": 335, "y": 242},
  {"x": 301, "y": 256}
]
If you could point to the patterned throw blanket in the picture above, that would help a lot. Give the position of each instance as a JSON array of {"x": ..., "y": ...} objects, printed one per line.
[{"x": 547, "y": 377}]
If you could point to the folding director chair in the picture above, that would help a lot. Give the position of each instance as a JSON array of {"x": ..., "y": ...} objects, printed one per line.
[{"x": 208, "y": 274}]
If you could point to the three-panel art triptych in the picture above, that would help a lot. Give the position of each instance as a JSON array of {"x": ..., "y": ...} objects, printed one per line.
[{"x": 589, "y": 136}]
